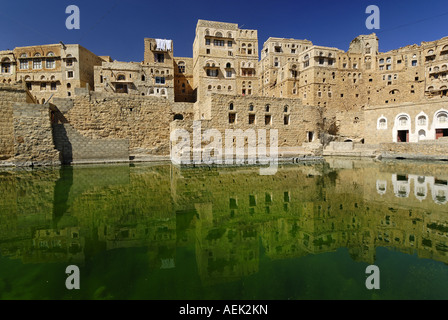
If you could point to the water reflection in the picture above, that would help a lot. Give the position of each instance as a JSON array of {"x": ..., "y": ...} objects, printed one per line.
[
  {"x": 229, "y": 217},
  {"x": 402, "y": 187}
]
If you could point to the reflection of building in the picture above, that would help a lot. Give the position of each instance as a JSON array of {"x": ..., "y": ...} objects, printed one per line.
[
  {"x": 402, "y": 187},
  {"x": 230, "y": 217}
]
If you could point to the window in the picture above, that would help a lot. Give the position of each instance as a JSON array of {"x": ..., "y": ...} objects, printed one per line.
[
  {"x": 231, "y": 107},
  {"x": 43, "y": 86},
  {"x": 37, "y": 64},
  {"x": 251, "y": 119},
  {"x": 389, "y": 60},
  {"x": 69, "y": 62},
  {"x": 207, "y": 41},
  {"x": 181, "y": 67},
  {"x": 285, "y": 109},
  {"x": 230, "y": 53},
  {"x": 307, "y": 64},
  {"x": 29, "y": 86},
  {"x": 232, "y": 118},
  {"x": 207, "y": 51},
  {"x": 229, "y": 44},
  {"x": 6, "y": 67},
  {"x": 321, "y": 61},
  {"x": 229, "y": 74},
  {"x": 414, "y": 63},
  {"x": 267, "y": 120},
  {"x": 381, "y": 61},
  {"x": 160, "y": 80},
  {"x": 159, "y": 57},
  {"x": 120, "y": 77},
  {"x": 24, "y": 65},
  {"x": 388, "y": 67},
  {"x": 251, "y": 108},
  {"x": 69, "y": 74},
  {"x": 267, "y": 108},
  {"x": 53, "y": 86},
  {"x": 286, "y": 120},
  {"x": 382, "y": 123},
  {"x": 50, "y": 64},
  {"x": 403, "y": 121},
  {"x": 218, "y": 43},
  {"x": 442, "y": 118},
  {"x": 212, "y": 72},
  {"x": 421, "y": 121}
]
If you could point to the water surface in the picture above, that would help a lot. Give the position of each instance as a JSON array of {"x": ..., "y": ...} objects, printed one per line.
[{"x": 163, "y": 232}]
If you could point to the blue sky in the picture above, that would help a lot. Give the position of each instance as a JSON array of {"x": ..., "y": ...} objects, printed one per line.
[{"x": 118, "y": 27}]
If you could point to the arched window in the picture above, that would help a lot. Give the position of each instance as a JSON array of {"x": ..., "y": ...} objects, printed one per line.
[
  {"x": 178, "y": 117},
  {"x": 218, "y": 34},
  {"x": 50, "y": 54},
  {"x": 381, "y": 61},
  {"x": 422, "y": 134},
  {"x": 228, "y": 65},
  {"x": 251, "y": 107},
  {"x": 267, "y": 108},
  {"x": 121, "y": 77},
  {"x": 403, "y": 121},
  {"x": 285, "y": 109},
  {"x": 209, "y": 87},
  {"x": 421, "y": 121},
  {"x": 231, "y": 106},
  {"x": 382, "y": 123},
  {"x": 229, "y": 35},
  {"x": 37, "y": 54},
  {"x": 207, "y": 32},
  {"x": 442, "y": 118},
  {"x": 162, "y": 91},
  {"x": 219, "y": 88},
  {"x": 23, "y": 55},
  {"x": 229, "y": 88}
]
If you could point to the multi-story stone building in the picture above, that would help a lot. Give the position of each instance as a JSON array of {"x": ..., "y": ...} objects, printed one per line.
[
  {"x": 152, "y": 77},
  {"x": 225, "y": 59},
  {"x": 55, "y": 69}
]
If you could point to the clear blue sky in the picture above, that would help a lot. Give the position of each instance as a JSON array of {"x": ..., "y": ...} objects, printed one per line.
[{"x": 117, "y": 28}]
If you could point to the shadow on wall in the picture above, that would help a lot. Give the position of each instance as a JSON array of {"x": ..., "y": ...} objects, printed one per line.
[{"x": 62, "y": 143}]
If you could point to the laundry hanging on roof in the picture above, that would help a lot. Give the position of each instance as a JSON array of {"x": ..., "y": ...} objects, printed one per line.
[{"x": 163, "y": 44}]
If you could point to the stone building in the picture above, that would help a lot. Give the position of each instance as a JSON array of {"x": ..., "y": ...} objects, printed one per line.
[
  {"x": 55, "y": 69},
  {"x": 183, "y": 80},
  {"x": 152, "y": 77},
  {"x": 8, "y": 66},
  {"x": 225, "y": 59}
]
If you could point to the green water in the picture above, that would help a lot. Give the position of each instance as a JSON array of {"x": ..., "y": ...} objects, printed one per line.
[{"x": 163, "y": 232}]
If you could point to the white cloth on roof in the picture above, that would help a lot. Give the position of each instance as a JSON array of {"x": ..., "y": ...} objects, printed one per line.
[{"x": 164, "y": 45}]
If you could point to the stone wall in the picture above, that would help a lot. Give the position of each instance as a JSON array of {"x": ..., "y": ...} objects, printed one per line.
[
  {"x": 9, "y": 94},
  {"x": 292, "y": 120},
  {"x": 33, "y": 141},
  {"x": 144, "y": 121},
  {"x": 412, "y": 111},
  {"x": 428, "y": 150},
  {"x": 75, "y": 148}
]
